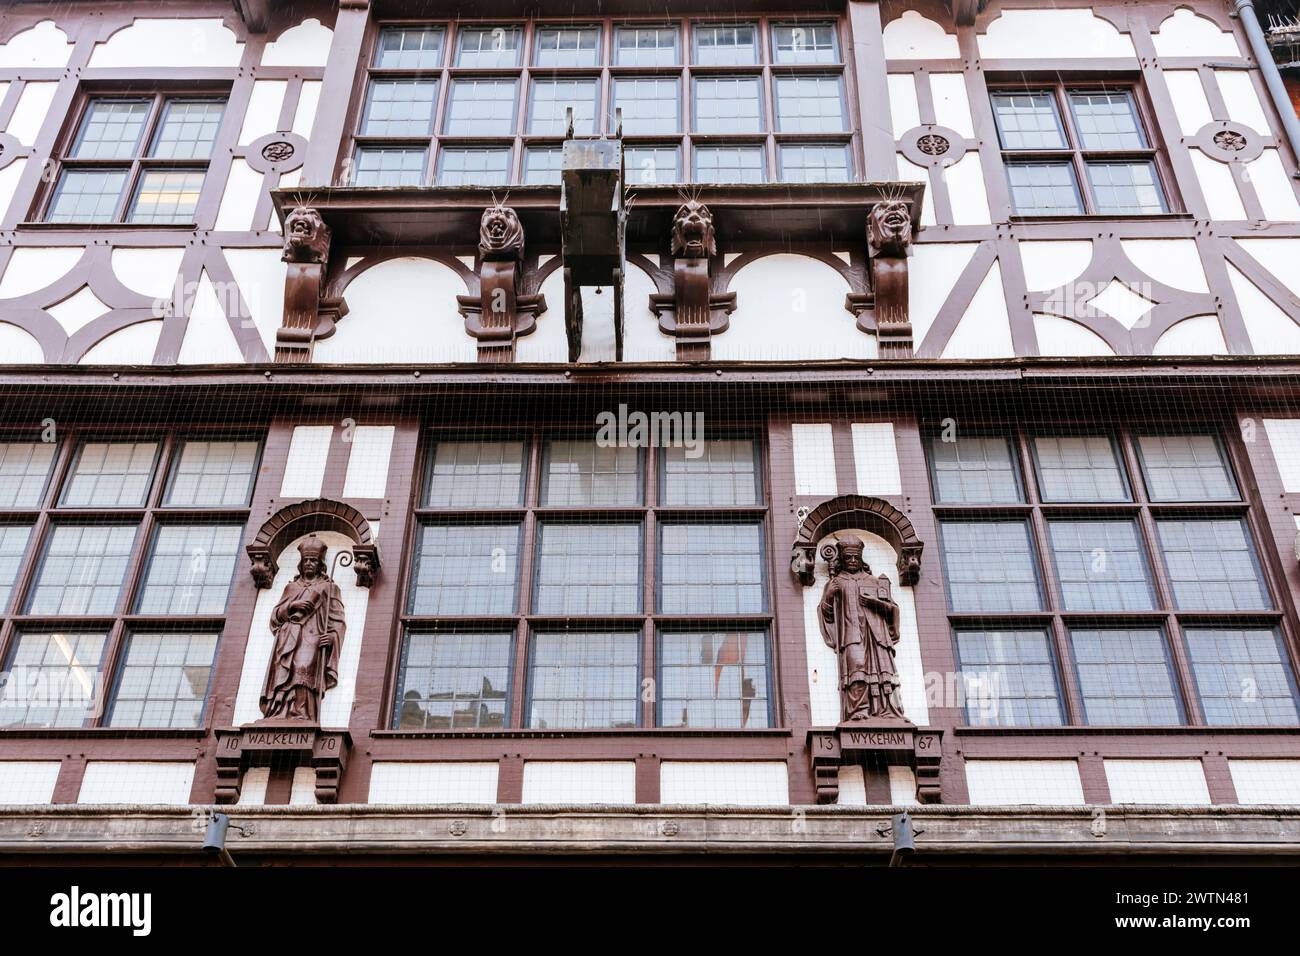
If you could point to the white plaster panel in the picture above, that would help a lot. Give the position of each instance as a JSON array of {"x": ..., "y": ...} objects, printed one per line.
[
  {"x": 78, "y": 310},
  {"x": 984, "y": 331},
  {"x": 823, "y": 666},
  {"x": 579, "y": 781},
  {"x": 1190, "y": 103},
  {"x": 32, "y": 268},
  {"x": 1050, "y": 265},
  {"x": 263, "y": 113},
  {"x": 1271, "y": 331},
  {"x": 44, "y": 46},
  {"x": 1180, "y": 782},
  {"x": 1186, "y": 34},
  {"x": 852, "y": 787},
  {"x": 208, "y": 336},
  {"x": 951, "y": 104},
  {"x": 239, "y": 197},
  {"x": 304, "y": 471},
  {"x": 913, "y": 37},
  {"x": 1060, "y": 336},
  {"x": 18, "y": 346},
  {"x": 27, "y": 782},
  {"x": 814, "y": 459},
  {"x": 1284, "y": 440},
  {"x": 909, "y": 172},
  {"x": 1265, "y": 781},
  {"x": 133, "y": 345},
  {"x": 170, "y": 42},
  {"x": 259, "y": 273},
  {"x": 1175, "y": 262},
  {"x": 336, "y": 708},
  {"x": 935, "y": 269},
  {"x": 875, "y": 459},
  {"x": 302, "y": 790},
  {"x": 902, "y": 787},
  {"x": 367, "y": 475},
  {"x": 966, "y": 192},
  {"x": 1273, "y": 187},
  {"x": 756, "y": 783},
  {"x": 433, "y": 782},
  {"x": 142, "y": 782},
  {"x": 150, "y": 272},
  {"x": 430, "y": 331},
  {"x": 1035, "y": 782},
  {"x": 28, "y": 116},
  {"x": 1052, "y": 34},
  {"x": 252, "y": 790},
  {"x": 903, "y": 108},
  {"x": 1199, "y": 335},
  {"x": 1221, "y": 196},
  {"x": 791, "y": 307},
  {"x": 9, "y": 179},
  {"x": 1241, "y": 99},
  {"x": 1278, "y": 257},
  {"x": 307, "y": 44},
  {"x": 304, "y": 119}
]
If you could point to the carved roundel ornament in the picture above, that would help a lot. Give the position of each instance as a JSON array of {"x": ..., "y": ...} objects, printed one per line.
[
  {"x": 1228, "y": 142},
  {"x": 11, "y": 149},
  {"x": 276, "y": 152},
  {"x": 932, "y": 145}
]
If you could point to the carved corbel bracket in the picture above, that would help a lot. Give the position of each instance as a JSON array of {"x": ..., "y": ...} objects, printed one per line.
[
  {"x": 868, "y": 514},
  {"x": 281, "y": 744},
  {"x": 500, "y": 313},
  {"x": 692, "y": 313},
  {"x": 889, "y": 243},
  {"x": 308, "y": 313},
  {"x": 873, "y": 744}
]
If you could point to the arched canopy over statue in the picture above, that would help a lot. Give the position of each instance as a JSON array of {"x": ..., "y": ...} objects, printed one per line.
[
  {"x": 309, "y": 624},
  {"x": 859, "y": 621}
]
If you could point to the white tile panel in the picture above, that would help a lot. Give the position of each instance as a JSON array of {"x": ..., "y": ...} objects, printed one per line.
[
  {"x": 27, "y": 782},
  {"x": 1179, "y": 782},
  {"x": 1034, "y": 782},
  {"x": 433, "y": 782},
  {"x": 814, "y": 459},
  {"x": 875, "y": 459},
  {"x": 143, "y": 782},
  {"x": 371, "y": 449},
  {"x": 757, "y": 783},
  {"x": 1284, "y": 440},
  {"x": 579, "y": 781},
  {"x": 1266, "y": 781},
  {"x": 304, "y": 472}
]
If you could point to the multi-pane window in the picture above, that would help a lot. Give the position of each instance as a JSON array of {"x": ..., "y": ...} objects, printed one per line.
[
  {"x": 1008, "y": 678},
  {"x": 140, "y": 159},
  {"x": 1077, "y": 151},
  {"x": 117, "y": 557},
  {"x": 704, "y": 101},
  {"x": 1123, "y": 561},
  {"x": 574, "y": 568}
]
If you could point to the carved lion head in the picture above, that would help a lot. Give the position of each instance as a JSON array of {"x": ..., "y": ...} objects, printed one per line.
[
  {"x": 889, "y": 228},
  {"x": 693, "y": 231},
  {"x": 500, "y": 234},
  {"x": 306, "y": 237}
]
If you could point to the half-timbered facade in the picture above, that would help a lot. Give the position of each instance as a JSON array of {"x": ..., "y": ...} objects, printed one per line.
[{"x": 577, "y": 342}]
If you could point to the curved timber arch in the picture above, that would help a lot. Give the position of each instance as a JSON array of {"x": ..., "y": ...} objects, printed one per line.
[
  {"x": 320, "y": 514},
  {"x": 858, "y": 511}
]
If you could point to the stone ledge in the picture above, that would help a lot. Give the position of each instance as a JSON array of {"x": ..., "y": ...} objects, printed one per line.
[{"x": 656, "y": 829}]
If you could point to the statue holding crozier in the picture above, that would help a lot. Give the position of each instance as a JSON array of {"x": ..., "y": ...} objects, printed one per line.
[
  {"x": 308, "y": 623},
  {"x": 859, "y": 621}
]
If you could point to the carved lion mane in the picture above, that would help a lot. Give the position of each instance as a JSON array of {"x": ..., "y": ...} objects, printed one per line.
[
  {"x": 889, "y": 228},
  {"x": 693, "y": 231},
  {"x": 306, "y": 237},
  {"x": 500, "y": 234}
]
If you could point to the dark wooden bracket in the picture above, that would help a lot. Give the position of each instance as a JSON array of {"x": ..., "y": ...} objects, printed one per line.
[
  {"x": 692, "y": 313},
  {"x": 308, "y": 313},
  {"x": 889, "y": 243},
  {"x": 867, "y": 743},
  {"x": 281, "y": 743},
  {"x": 500, "y": 313}
]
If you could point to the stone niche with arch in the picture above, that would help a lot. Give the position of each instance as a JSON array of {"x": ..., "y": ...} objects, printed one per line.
[
  {"x": 832, "y": 743},
  {"x": 294, "y": 521}
]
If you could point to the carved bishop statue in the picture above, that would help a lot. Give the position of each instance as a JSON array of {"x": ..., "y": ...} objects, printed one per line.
[
  {"x": 308, "y": 623},
  {"x": 859, "y": 621}
]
